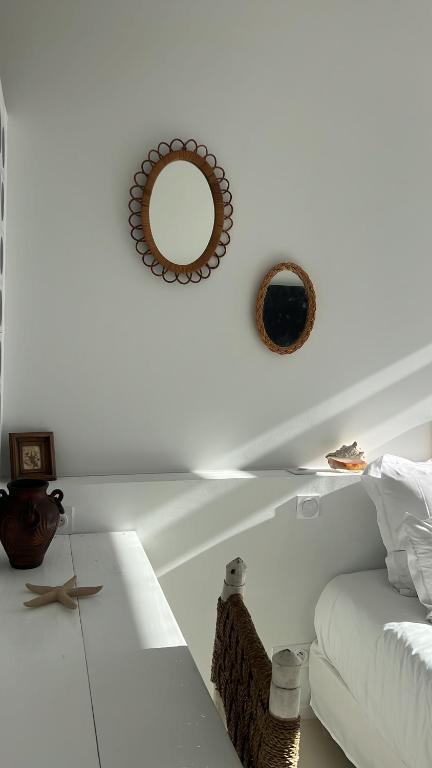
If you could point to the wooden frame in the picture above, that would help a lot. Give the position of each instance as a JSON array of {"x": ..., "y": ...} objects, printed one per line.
[
  {"x": 311, "y": 298},
  {"x": 32, "y": 448},
  {"x": 139, "y": 205}
]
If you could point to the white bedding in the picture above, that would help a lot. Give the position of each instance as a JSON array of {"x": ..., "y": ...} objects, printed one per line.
[{"x": 381, "y": 646}]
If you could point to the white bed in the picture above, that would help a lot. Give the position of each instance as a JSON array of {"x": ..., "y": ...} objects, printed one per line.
[{"x": 371, "y": 672}]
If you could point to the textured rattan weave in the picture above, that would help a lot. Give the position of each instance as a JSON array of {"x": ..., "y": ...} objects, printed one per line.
[
  {"x": 139, "y": 206},
  {"x": 311, "y": 299},
  {"x": 241, "y": 673}
]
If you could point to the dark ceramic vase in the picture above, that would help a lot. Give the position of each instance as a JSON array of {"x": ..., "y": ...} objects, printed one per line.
[{"x": 28, "y": 521}]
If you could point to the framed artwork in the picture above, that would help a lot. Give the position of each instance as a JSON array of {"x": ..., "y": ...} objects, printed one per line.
[{"x": 32, "y": 455}]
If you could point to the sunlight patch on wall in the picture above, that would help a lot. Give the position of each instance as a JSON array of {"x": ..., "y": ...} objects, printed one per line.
[{"x": 349, "y": 398}]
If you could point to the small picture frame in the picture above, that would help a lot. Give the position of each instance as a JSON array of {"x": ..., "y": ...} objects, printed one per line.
[{"x": 32, "y": 455}]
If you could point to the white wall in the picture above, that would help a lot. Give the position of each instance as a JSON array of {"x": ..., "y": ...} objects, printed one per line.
[{"x": 322, "y": 117}]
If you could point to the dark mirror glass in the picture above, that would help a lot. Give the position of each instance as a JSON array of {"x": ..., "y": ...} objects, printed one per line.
[{"x": 285, "y": 309}]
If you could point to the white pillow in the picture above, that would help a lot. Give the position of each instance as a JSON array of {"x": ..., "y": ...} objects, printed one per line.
[
  {"x": 399, "y": 574},
  {"x": 398, "y": 487},
  {"x": 417, "y": 537}
]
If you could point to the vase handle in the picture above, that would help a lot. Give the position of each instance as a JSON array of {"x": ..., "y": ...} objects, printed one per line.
[
  {"x": 57, "y": 496},
  {"x": 3, "y": 493}
]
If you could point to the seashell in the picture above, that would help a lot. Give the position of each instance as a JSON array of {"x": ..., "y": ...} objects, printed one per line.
[{"x": 347, "y": 456}]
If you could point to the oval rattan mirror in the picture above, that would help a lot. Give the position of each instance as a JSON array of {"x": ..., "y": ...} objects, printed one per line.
[
  {"x": 285, "y": 308},
  {"x": 181, "y": 211}
]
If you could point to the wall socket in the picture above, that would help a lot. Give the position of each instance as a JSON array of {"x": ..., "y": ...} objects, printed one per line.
[
  {"x": 65, "y": 525},
  {"x": 308, "y": 507}
]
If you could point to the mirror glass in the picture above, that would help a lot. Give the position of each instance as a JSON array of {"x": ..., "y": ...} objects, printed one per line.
[
  {"x": 181, "y": 212},
  {"x": 285, "y": 309}
]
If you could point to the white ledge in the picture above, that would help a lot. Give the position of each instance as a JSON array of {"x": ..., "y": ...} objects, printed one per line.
[{"x": 210, "y": 474}]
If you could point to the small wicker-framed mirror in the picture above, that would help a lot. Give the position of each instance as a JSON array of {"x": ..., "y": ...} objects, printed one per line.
[
  {"x": 181, "y": 211},
  {"x": 285, "y": 308}
]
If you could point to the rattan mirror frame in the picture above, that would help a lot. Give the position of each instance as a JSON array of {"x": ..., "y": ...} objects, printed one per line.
[
  {"x": 139, "y": 206},
  {"x": 310, "y": 319}
]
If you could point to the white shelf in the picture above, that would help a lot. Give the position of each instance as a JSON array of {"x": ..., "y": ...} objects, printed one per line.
[
  {"x": 199, "y": 475},
  {"x": 323, "y": 472}
]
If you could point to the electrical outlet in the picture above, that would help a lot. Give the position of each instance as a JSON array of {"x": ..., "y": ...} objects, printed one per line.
[
  {"x": 65, "y": 525},
  {"x": 304, "y": 648},
  {"x": 308, "y": 507}
]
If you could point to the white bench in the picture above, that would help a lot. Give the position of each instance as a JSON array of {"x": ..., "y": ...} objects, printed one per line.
[{"x": 111, "y": 685}]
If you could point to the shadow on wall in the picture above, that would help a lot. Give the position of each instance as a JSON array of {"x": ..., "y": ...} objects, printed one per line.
[
  {"x": 396, "y": 413},
  {"x": 374, "y": 411},
  {"x": 192, "y": 537},
  {"x": 289, "y": 560}
]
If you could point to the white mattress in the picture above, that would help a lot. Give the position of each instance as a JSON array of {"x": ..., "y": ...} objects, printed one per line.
[
  {"x": 345, "y": 720},
  {"x": 381, "y": 646}
]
